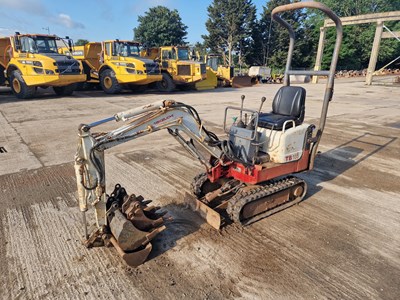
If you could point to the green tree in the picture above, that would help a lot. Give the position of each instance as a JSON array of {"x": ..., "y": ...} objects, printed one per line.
[
  {"x": 275, "y": 38},
  {"x": 81, "y": 42},
  {"x": 160, "y": 26},
  {"x": 357, "y": 39},
  {"x": 250, "y": 41},
  {"x": 229, "y": 26},
  {"x": 201, "y": 49},
  {"x": 256, "y": 47},
  {"x": 346, "y": 8}
]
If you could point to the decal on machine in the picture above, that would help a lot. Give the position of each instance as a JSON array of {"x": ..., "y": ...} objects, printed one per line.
[
  {"x": 163, "y": 119},
  {"x": 292, "y": 157}
]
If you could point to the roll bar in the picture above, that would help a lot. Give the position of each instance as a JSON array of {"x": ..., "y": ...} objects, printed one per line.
[{"x": 331, "y": 72}]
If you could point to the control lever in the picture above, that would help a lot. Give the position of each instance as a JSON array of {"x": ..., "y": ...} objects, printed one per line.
[
  {"x": 240, "y": 123},
  {"x": 256, "y": 157},
  {"x": 262, "y": 103},
  {"x": 251, "y": 124}
]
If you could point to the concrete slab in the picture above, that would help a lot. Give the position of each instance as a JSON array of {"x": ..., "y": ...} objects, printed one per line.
[{"x": 15, "y": 154}]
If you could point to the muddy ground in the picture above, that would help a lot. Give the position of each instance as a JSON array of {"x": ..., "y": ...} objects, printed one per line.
[{"x": 341, "y": 242}]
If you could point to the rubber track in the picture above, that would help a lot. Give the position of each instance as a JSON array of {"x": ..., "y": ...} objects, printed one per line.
[
  {"x": 197, "y": 183},
  {"x": 237, "y": 202}
]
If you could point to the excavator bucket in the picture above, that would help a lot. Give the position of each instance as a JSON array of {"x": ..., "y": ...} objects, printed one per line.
[
  {"x": 241, "y": 81},
  {"x": 132, "y": 225},
  {"x": 133, "y": 259}
]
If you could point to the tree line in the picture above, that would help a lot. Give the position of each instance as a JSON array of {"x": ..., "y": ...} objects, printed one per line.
[{"x": 244, "y": 38}]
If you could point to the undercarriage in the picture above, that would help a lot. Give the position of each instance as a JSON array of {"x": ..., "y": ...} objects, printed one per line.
[{"x": 234, "y": 201}]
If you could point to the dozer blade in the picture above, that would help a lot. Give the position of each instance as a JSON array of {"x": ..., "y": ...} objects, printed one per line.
[
  {"x": 210, "y": 215},
  {"x": 241, "y": 81},
  {"x": 209, "y": 83}
]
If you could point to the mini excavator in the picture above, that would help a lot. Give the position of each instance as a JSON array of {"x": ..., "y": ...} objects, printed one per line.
[{"x": 248, "y": 175}]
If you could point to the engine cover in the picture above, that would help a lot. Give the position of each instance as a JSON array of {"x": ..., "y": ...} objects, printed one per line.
[{"x": 284, "y": 146}]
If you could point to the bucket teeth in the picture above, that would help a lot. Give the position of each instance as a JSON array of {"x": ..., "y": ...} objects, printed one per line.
[
  {"x": 146, "y": 202},
  {"x": 133, "y": 225}
]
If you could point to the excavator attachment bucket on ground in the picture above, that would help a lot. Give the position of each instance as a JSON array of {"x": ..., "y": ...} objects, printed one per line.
[
  {"x": 133, "y": 259},
  {"x": 132, "y": 224},
  {"x": 241, "y": 81}
]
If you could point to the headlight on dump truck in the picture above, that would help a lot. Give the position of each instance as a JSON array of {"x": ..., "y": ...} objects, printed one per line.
[
  {"x": 31, "y": 62},
  {"x": 43, "y": 71},
  {"x": 124, "y": 64},
  {"x": 133, "y": 71}
]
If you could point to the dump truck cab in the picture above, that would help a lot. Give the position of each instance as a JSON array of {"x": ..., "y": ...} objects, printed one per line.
[
  {"x": 116, "y": 65},
  {"x": 29, "y": 61},
  {"x": 177, "y": 68}
]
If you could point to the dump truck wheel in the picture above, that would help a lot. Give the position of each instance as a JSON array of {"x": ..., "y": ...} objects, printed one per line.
[
  {"x": 65, "y": 90},
  {"x": 2, "y": 77},
  {"x": 19, "y": 87},
  {"x": 109, "y": 82},
  {"x": 166, "y": 84}
]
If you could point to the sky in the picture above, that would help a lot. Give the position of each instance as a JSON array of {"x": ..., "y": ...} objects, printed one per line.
[{"x": 97, "y": 20}]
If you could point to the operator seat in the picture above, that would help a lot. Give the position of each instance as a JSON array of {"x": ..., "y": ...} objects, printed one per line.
[{"x": 288, "y": 104}]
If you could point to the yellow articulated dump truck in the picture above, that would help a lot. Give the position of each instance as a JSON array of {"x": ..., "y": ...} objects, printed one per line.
[
  {"x": 29, "y": 61},
  {"x": 176, "y": 67},
  {"x": 117, "y": 65}
]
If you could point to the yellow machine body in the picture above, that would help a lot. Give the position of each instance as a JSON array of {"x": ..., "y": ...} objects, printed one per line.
[
  {"x": 175, "y": 61},
  {"x": 122, "y": 57},
  {"x": 37, "y": 68}
]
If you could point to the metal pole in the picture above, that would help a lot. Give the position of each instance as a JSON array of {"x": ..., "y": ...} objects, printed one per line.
[{"x": 374, "y": 53}]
